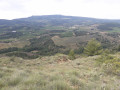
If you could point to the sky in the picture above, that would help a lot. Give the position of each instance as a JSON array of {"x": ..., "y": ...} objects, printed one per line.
[{"x": 104, "y": 9}]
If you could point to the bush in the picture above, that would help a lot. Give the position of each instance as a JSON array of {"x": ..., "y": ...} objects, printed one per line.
[
  {"x": 71, "y": 55},
  {"x": 111, "y": 64},
  {"x": 75, "y": 81}
]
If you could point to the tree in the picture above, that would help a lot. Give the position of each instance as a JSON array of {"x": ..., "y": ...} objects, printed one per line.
[
  {"x": 71, "y": 55},
  {"x": 93, "y": 48}
]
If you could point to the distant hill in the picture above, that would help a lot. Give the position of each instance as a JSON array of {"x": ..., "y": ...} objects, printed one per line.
[
  {"x": 57, "y": 20},
  {"x": 65, "y": 18}
]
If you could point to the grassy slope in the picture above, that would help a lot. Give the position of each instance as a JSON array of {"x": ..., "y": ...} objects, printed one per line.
[{"x": 54, "y": 73}]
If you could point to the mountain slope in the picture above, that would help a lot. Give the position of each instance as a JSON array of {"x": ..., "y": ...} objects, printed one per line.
[
  {"x": 58, "y": 19},
  {"x": 55, "y": 73}
]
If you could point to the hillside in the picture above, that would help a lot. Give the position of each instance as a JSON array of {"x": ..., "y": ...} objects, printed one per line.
[
  {"x": 56, "y": 52},
  {"x": 55, "y": 73},
  {"x": 32, "y": 36}
]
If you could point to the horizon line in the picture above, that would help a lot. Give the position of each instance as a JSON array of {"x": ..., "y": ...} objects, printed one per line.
[{"x": 60, "y": 15}]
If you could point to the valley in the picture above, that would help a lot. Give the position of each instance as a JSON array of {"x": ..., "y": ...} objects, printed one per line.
[{"x": 56, "y": 52}]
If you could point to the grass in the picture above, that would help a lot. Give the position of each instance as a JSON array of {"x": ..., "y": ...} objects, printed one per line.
[{"x": 53, "y": 73}]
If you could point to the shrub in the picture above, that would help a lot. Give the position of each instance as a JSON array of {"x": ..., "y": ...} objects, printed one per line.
[
  {"x": 111, "y": 64},
  {"x": 76, "y": 82},
  {"x": 71, "y": 55}
]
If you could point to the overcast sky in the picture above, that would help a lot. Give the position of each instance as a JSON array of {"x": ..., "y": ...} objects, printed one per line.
[{"x": 106, "y": 9}]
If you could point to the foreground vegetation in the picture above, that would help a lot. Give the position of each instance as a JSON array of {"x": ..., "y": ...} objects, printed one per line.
[{"x": 58, "y": 72}]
